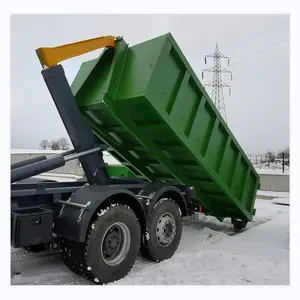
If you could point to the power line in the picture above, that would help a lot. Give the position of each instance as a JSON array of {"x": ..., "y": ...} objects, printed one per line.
[
  {"x": 259, "y": 52},
  {"x": 258, "y": 34},
  {"x": 261, "y": 72}
]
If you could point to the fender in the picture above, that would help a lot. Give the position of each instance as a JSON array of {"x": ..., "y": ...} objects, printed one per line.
[
  {"x": 73, "y": 222},
  {"x": 155, "y": 191}
]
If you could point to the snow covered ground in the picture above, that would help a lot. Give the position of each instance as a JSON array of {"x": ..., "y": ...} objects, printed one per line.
[
  {"x": 269, "y": 171},
  {"x": 210, "y": 253},
  {"x": 272, "y": 194},
  {"x": 58, "y": 177}
]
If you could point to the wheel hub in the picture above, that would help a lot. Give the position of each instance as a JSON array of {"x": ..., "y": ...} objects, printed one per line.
[
  {"x": 168, "y": 229},
  {"x": 112, "y": 243},
  {"x": 115, "y": 244},
  {"x": 165, "y": 230}
]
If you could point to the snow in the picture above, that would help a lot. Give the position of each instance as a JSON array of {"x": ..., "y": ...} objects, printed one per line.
[
  {"x": 61, "y": 175},
  {"x": 272, "y": 168},
  {"x": 102, "y": 212},
  {"x": 268, "y": 171},
  {"x": 210, "y": 253},
  {"x": 273, "y": 194},
  {"x": 35, "y": 151},
  {"x": 108, "y": 158},
  {"x": 58, "y": 177}
]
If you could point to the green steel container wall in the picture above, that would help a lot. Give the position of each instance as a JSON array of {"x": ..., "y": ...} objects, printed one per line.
[
  {"x": 119, "y": 171},
  {"x": 148, "y": 105}
]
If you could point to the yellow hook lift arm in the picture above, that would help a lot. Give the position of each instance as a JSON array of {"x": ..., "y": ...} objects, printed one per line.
[{"x": 50, "y": 57}]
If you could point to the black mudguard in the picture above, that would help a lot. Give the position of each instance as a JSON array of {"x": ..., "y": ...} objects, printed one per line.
[{"x": 73, "y": 223}]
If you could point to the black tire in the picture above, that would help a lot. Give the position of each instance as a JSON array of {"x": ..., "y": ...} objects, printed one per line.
[
  {"x": 239, "y": 224},
  {"x": 68, "y": 251},
  {"x": 151, "y": 247},
  {"x": 87, "y": 258},
  {"x": 98, "y": 269}
]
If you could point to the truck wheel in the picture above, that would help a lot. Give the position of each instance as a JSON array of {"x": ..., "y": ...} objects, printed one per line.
[
  {"x": 68, "y": 255},
  {"x": 239, "y": 224},
  {"x": 164, "y": 231},
  {"x": 112, "y": 244},
  {"x": 111, "y": 247}
]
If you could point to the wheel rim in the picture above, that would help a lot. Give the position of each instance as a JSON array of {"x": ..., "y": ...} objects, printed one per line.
[
  {"x": 165, "y": 230},
  {"x": 115, "y": 244}
]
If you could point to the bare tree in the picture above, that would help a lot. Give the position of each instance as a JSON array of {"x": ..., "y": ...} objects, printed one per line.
[
  {"x": 285, "y": 152},
  {"x": 55, "y": 145},
  {"x": 270, "y": 156},
  {"x": 63, "y": 144},
  {"x": 44, "y": 144}
]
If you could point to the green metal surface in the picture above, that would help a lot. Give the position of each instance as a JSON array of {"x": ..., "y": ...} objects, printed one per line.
[
  {"x": 147, "y": 104},
  {"x": 119, "y": 171}
]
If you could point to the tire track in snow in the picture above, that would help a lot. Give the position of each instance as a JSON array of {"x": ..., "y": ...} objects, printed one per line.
[
  {"x": 68, "y": 279},
  {"x": 141, "y": 263},
  {"x": 64, "y": 278}
]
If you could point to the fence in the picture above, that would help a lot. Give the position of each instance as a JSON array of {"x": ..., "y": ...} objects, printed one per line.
[{"x": 270, "y": 162}]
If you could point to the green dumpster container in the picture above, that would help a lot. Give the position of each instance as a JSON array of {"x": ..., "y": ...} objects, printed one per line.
[{"x": 147, "y": 104}]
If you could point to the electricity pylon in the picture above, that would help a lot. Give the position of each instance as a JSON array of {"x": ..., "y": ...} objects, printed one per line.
[{"x": 217, "y": 84}]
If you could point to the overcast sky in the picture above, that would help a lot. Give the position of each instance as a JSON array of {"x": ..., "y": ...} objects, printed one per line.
[{"x": 258, "y": 47}]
